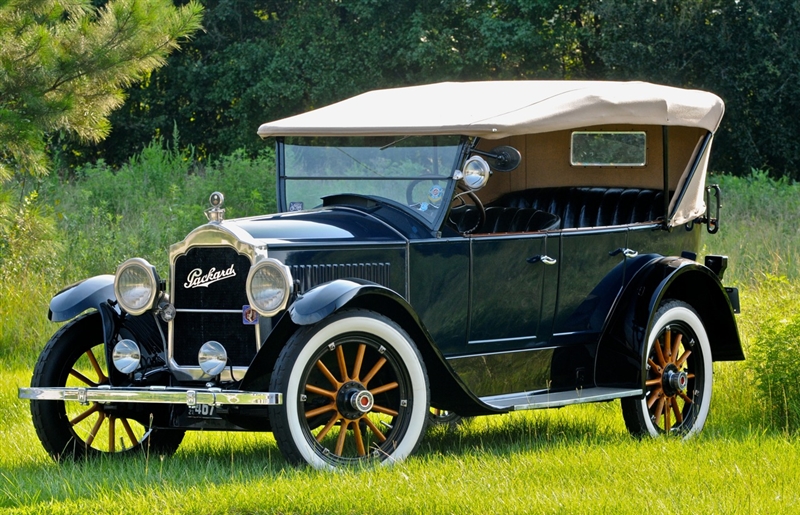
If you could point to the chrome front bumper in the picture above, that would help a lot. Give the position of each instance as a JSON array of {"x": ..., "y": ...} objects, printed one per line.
[{"x": 153, "y": 395}]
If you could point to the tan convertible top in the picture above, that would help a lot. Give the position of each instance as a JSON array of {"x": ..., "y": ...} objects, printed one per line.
[{"x": 499, "y": 109}]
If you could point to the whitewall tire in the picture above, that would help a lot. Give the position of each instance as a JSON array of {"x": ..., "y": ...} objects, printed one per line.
[
  {"x": 355, "y": 391},
  {"x": 678, "y": 376}
]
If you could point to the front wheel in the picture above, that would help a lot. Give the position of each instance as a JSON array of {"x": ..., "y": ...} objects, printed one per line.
[
  {"x": 678, "y": 383},
  {"x": 355, "y": 391},
  {"x": 75, "y": 357}
]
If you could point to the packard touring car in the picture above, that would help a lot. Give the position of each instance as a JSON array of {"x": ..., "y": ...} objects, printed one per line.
[{"x": 468, "y": 248}]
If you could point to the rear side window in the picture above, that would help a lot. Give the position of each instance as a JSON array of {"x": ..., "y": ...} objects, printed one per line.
[{"x": 605, "y": 148}]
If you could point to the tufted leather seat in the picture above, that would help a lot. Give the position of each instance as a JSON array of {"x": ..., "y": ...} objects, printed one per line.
[
  {"x": 590, "y": 207},
  {"x": 500, "y": 219},
  {"x": 549, "y": 209}
]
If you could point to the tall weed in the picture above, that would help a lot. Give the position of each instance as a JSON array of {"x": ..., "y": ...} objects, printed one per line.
[
  {"x": 775, "y": 354},
  {"x": 760, "y": 217},
  {"x": 73, "y": 229},
  {"x": 759, "y": 232},
  {"x": 30, "y": 267},
  {"x": 107, "y": 215}
]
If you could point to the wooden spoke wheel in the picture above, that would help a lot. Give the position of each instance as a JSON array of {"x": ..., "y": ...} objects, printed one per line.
[
  {"x": 355, "y": 390},
  {"x": 75, "y": 357},
  {"x": 678, "y": 382}
]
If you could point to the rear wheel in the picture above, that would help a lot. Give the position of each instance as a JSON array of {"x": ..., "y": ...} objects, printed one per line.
[
  {"x": 678, "y": 382},
  {"x": 355, "y": 391},
  {"x": 75, "y": 357}
]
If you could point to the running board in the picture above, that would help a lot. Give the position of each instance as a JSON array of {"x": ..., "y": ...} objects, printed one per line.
[{"x": 544, "y": 399}]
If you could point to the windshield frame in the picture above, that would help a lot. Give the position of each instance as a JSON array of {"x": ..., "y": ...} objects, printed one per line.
[{"x": 447, "y": 179}]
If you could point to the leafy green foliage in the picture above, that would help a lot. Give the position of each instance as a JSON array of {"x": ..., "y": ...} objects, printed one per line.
[
  {"x": 63, "y": 67},
  {"x": 104, "y": 216},
  {"x": 747, "y": 52},
  {"x": 776, "y": 360},
  {"x": 263, "y": 60}
]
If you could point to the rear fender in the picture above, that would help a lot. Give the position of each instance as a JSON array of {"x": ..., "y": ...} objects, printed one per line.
[
  {"x": 621, "y": 356},
  {"x": 447, "y": 390}
]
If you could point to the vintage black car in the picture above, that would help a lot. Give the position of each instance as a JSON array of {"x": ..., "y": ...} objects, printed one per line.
[{"x": 468, "y": 248}]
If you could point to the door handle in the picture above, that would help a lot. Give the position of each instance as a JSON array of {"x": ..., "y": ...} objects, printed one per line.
[
  {"x": 628, "y": 253},
  {"x": 547, "y": 260}
]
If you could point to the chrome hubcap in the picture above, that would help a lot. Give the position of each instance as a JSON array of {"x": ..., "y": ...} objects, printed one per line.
[{"x": 362, "y": 401}]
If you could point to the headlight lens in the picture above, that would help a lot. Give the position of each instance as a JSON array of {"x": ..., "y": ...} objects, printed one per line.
[
  {"x": 269, "y": 285},
  {"x": 136, "y": 285}
]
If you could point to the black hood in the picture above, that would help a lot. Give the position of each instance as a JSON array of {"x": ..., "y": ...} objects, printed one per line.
[{"x": 326, "y": 224}]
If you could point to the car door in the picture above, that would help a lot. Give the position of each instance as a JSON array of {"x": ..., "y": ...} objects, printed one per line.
[
  {"x": 591, "y": 274},
  {"x": 508, "y": 293}
]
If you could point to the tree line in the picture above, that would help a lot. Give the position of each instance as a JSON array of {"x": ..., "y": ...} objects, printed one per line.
[{"x": 259, "y": 60}]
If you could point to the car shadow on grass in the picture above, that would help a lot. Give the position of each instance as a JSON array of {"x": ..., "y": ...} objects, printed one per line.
[{"x": 506, "y": 434}]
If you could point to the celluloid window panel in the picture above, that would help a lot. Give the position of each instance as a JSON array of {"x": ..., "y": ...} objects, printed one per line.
[{"x": 608, "y": 148}]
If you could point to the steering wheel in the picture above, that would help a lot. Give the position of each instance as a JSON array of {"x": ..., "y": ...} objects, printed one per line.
[
  {"x": 422, "y": 206},
  {"x": 478, "y": 204}
]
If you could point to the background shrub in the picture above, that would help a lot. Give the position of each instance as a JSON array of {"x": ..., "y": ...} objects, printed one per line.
[
  {"x": 100, "y": 217},
  {"x": 775, "y": 358}
]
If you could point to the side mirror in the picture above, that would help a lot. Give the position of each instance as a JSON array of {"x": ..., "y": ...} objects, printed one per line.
[{"x": 505, "y": 158}]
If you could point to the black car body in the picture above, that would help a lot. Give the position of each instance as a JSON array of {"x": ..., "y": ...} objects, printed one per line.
[{"x": 399, "y": 280}]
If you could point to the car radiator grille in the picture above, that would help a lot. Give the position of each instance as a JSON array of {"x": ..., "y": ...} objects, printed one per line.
[{"x": 212, "y": 311}]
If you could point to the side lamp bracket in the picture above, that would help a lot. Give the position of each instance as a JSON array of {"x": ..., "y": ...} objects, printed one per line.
[{"x": 712, "y": 222}]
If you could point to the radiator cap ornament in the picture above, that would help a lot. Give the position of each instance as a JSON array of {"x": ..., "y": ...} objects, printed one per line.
[{"x": 216, "y": 213}]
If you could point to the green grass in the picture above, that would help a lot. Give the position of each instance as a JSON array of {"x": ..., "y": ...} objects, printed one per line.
[
  {"x": 578, "y": 459},
  {"x": 574, "y": 460}
]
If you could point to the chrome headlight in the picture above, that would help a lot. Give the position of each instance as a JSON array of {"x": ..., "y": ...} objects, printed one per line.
[
  {"x": 476, "y": 173},
  {"x": 126, "y": 356},
  {"x": 212, "y": 357},
  {"x": 269, "y": 286},
  {"x": 136, "y": 286}
]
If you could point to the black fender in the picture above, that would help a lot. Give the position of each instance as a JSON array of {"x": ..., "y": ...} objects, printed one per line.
[
  {"x": 93, "y": 293},
  {"x": 98, "y": 293},
  {"x": 447, "y": 390},
  {"x": 74, "y": 300},
  {"x": 621, "y": 353}
]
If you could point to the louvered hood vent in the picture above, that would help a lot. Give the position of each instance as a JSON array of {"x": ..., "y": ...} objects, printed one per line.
[{"x": 309, "y": 276}]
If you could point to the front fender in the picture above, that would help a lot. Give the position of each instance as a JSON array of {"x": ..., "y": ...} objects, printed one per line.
[
  {"x": 621, "y": 354},
  {"x": 74, "y": 300},
  {"x": 326, "y": 299}
]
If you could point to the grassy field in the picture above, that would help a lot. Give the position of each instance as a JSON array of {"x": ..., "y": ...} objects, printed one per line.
[{"x": 578, "y": 459}]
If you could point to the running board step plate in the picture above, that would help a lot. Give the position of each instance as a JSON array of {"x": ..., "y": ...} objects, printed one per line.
[{"x": 543, "y": 399}]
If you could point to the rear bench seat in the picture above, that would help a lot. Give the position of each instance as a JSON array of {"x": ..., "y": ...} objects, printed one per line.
[{"x": 563, "y": 208}]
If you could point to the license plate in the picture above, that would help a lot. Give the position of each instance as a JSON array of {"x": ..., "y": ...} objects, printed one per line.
[{"x": 202, "y": 411}]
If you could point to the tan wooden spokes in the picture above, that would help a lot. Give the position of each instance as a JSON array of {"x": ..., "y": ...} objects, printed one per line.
[
  {"x": 665, "y": 402},
  {"x": 355, "y": 429},
  {"x": 93, "y": 424}
]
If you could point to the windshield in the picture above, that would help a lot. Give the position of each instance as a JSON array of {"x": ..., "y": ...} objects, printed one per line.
[{"x": 414, "y": 172}]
